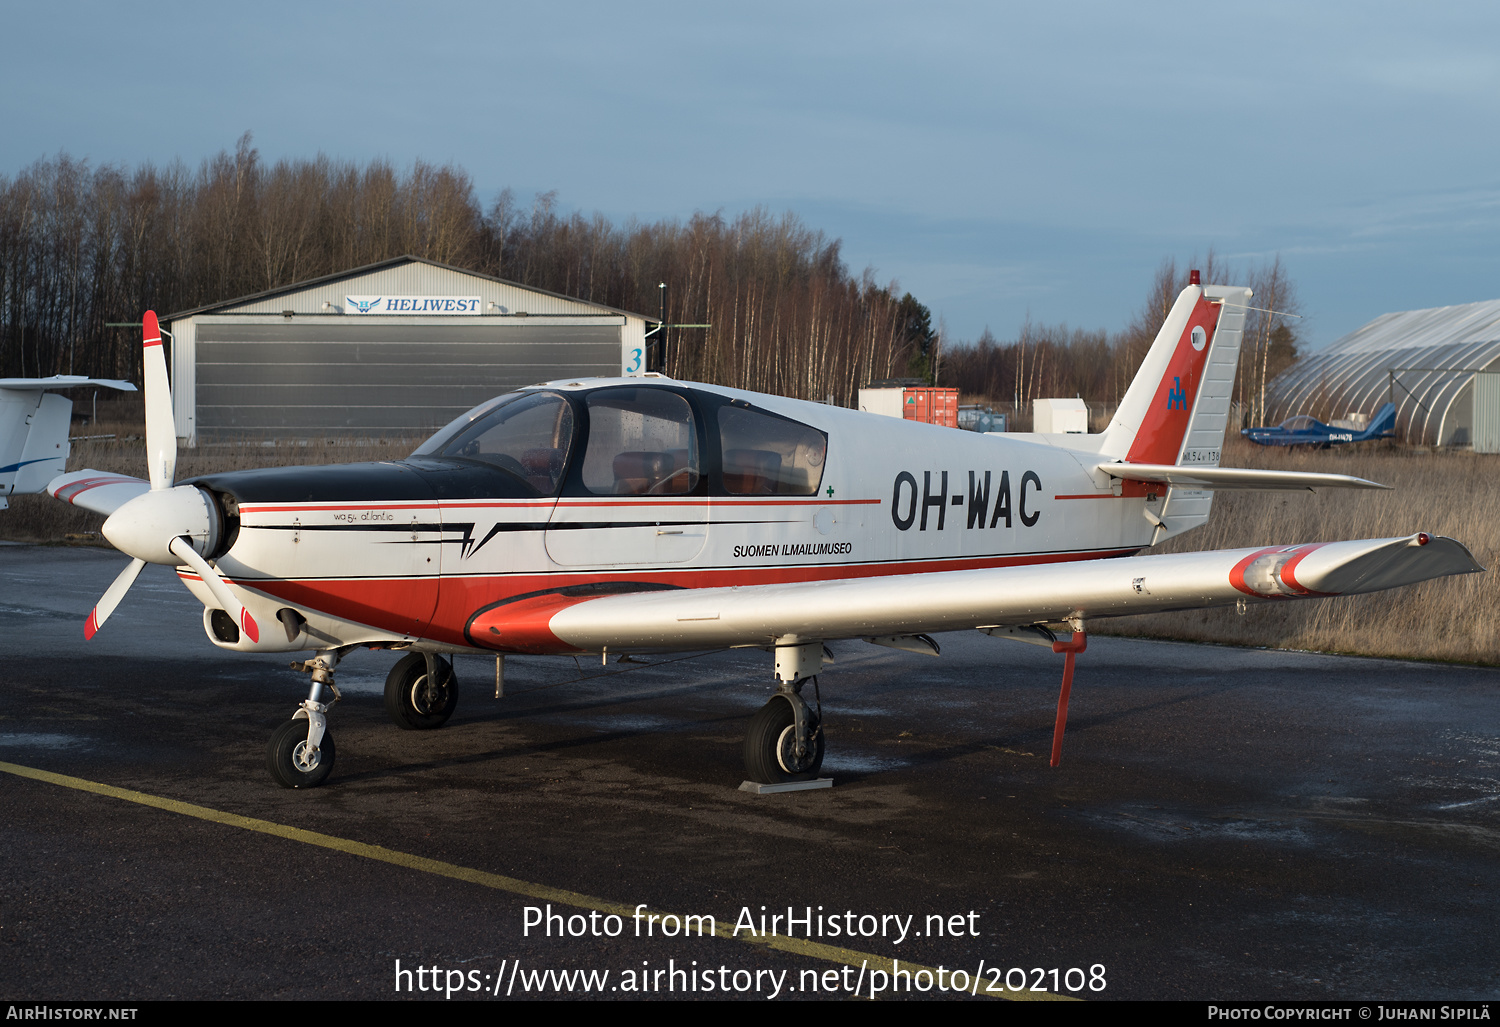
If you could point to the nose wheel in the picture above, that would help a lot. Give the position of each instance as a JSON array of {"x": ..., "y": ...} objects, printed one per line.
[{"x": 294, "y": 762}]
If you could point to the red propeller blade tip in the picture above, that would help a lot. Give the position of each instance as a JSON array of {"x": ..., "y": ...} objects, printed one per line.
[
  {"x": 150, "y": 329},
  {"x": 91, "y": 625},
  {"x": 247, "y": 623}
]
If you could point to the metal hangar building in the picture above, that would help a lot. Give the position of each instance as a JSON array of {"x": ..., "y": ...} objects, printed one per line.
[{"x": 397, "y": 348}]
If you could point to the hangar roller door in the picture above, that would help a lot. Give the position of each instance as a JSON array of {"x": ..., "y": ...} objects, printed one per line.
[{"x": 302, "y": 379}]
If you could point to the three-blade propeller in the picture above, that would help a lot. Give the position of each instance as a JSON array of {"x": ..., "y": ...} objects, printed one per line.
[{"x": 161, "y": 526}]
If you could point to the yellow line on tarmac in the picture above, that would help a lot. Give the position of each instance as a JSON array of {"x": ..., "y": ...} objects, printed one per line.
[{"x": 499, "y": 882}]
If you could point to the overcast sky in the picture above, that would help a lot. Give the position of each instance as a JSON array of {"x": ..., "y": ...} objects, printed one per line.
[{"x": 996, "y": 160}]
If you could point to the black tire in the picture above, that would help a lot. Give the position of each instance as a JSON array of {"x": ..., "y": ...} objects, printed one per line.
[
  {"x": 285, "y": 756},
  {"x": 411, "y": 704},
  {"x": 770, "y": 743}
]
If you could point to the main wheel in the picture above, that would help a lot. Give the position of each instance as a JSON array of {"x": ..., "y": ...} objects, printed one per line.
[
  {"x": 413, "y": 702},
  {"x": 290, "y": 761},
  {"x": 771, "y": 746}
]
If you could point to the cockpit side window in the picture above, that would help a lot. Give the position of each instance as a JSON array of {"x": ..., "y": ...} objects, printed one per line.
[
  {"x": 528, "y": 437},
  {"x": 766, "y": 455},
  {"x": 642, "y": 442}
]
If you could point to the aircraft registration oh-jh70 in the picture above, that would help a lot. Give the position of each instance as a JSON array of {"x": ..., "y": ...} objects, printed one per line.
[{"x": 640, "y": 515}]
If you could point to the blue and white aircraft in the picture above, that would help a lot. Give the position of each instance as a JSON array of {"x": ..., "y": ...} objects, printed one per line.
[{"x": 1306, "y": 430}]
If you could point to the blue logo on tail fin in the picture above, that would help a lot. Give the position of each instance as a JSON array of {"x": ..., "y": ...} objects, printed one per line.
[{"x": 1177, "y": 397}]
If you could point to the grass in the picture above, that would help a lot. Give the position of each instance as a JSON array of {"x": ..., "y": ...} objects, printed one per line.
[{"x": 1443, "y": 493}]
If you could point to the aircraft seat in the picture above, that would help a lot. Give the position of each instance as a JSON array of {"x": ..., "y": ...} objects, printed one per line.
[
  {"x": 637, "y": 473},
  {"x": 751, "y": 472},
  {"x": 683, "y": 476}
]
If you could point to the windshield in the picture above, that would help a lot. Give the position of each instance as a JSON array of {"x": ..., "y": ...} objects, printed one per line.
[{"x": 527, "y": 434}]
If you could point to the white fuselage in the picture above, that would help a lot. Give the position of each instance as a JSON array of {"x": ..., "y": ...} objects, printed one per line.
[{"x": 895, "y": 497}]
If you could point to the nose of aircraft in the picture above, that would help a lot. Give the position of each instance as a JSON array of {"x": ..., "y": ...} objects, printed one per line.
[
  {"x": 146, "y": 526},
  {"x": 172, "y": 525}
]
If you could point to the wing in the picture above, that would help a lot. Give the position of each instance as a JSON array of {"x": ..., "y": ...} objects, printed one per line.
[
  {"x": 99, "y": 491},
  {"x": 915, "y": 603}
]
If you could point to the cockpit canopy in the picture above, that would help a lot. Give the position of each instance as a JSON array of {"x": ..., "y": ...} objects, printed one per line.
[
  {"x": 631, "y": 440},
  {"x": 1302, "y": 422}
]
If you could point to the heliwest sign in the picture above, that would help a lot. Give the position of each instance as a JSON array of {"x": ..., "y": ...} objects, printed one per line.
[{"x": 443, "y": 305}]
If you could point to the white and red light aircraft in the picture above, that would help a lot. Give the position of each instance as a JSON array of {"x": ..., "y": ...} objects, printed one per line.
[{"x": 650, "y": 515}]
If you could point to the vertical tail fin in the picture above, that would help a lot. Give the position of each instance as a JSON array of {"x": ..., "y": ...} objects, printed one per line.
[
  {"x": 44, "y": 446},
  {"x": 1383, "y": 422},
  {"x": 1176, "y": 409}
]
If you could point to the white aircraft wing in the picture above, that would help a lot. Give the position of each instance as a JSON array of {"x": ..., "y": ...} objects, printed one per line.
[
  {"x": 1188, "y": 476},
  {"x": 908, "y": 604},
  {"x": 100, "y": 491}
]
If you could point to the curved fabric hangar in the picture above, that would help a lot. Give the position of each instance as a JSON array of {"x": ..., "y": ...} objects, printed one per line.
[{"x": 1440, "y": 367}]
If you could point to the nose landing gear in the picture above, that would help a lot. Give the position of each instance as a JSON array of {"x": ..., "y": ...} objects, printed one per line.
[{"x": 301, "y": 756}]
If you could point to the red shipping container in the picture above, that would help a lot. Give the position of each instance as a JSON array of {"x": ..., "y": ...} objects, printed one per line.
[{"x": 931, "y": 406}]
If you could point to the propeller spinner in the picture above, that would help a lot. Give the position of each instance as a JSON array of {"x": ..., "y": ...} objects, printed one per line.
[{"x": 171, "y": 525}]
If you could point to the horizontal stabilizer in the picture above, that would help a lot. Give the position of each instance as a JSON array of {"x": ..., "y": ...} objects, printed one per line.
[
  {"x": 63, "y": 381},
  {"x": 1191, "y": 477},
  {"x": 100, "y": 491},
  {"x": 706, "y": 618}
]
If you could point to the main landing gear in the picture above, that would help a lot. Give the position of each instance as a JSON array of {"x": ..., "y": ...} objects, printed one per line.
[
  {"x": 421, "y": 692},
  {"x": 784, "y": 744},
  {"x": 301, "y": 753},
  {"x": 785, "y": 741}
]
